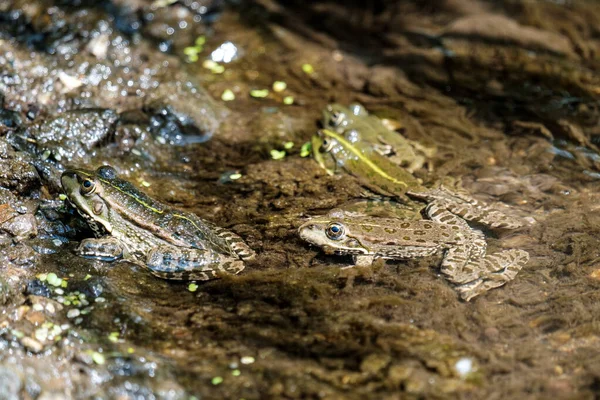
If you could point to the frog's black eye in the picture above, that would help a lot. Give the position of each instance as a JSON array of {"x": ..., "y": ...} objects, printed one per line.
[
  {"x": 336, "y": 118},
  {"x": 326, "y": 146},
  {"x": 335, "y": 231},
  {"x": 87, "y": 186}
]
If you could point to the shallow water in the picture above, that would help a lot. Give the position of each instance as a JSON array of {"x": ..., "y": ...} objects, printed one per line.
[{"x": 507, "y": 92}]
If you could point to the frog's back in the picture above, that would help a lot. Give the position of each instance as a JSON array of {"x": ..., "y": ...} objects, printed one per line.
[
  {"x": 392, "y": 232},
  {"x": 176, "y": 227}
]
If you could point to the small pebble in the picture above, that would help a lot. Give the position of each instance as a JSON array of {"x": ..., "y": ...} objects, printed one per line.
[
  {"x": 100, "y": 300},
  {"x": 73, "y": 313},
  {"x": 247, "y": 360},
  {"x": 31, "y": 344}
]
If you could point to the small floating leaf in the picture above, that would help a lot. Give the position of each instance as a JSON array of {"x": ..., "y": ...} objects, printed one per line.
[
  {"x": 259, "y": 93},
  {"x": 288, "y": 100},
  {"x": 288, "y": 145},
  {"x": 98, "y": 358},
  {"x": 308, "y": 69},
  {"x": 192, "y": 287},
  {"x": 277, "y": 154},
  {"x": 200, "y": 41},
  {"x": 235, "y": 177},
  {"x": 217, "y": 380},
  {"x": 227, "y": 95},
  {"x": 305, "y": 149},
  {"x": 279, "y": 86}
]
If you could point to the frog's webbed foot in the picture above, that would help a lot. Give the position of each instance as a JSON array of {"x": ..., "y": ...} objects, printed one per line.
[
  {"x": 466, "y": 207},
  {"x": 105, "y": 249},
  {"x": 190, "y": 264},
  {"x": 494, "y": 271}
]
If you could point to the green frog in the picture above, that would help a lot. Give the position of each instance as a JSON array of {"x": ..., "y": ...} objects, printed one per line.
[
  {"x": 336, "y": 153},
  {"x": 129, "y": 225},
  {"x": 357, "y": 125},
  {"x": 465, "y": 262}
]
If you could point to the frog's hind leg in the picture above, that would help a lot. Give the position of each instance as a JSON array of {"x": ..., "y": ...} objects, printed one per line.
[
  {"x": 494, "y": 270},
  {"x": 190, "y": 264},
  {"x": 469, "y": 244},
  {"x": 468, "y": 208}
]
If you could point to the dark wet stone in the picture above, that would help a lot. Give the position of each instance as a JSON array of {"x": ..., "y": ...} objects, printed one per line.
[
  {"x": 92, "y": 287},
  {"x": 9, "y": 119},
  {"x": 67, "y": 139},
  {"x": 38, "y": 288},
  {"x": 16, "y": 169},
  {"x": 174, "y": 127}
]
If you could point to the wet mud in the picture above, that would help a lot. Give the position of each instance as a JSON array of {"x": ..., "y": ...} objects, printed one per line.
[{"x": 507, "y": 92}]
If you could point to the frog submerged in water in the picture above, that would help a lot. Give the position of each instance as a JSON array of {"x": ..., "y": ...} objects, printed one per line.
[
  {"x": 358, "y": 126},
  {"x": 128, "y": 224},
  {"x": 335, "y": 153},
  {"x": 465, "y": 262}
]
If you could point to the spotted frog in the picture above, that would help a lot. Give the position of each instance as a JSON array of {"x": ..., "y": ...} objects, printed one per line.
[
  {"x": 358, "y": 126},
  {"x": 465, "y": 262},
  {"x": 129, "y": 225}
]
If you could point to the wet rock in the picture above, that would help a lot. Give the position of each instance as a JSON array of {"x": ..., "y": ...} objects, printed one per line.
[
  {"x": 16, "y": 169},
  {"x": 174, "y": 127},
  {"x": 36, "y": 287},
  {"x": 69, "y": 138},
  {"x": 5, "y": 292},
  {"x": 9, "y": 120},
  {"x": 31, "y": 344},
  {"x": 21, "y": 227},
  {"x": 10, "y": 384}
]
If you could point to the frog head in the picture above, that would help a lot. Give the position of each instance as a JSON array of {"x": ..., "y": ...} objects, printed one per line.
[
  {"x": 332, "y": 233},
  {"x": 85, "y": 190}
]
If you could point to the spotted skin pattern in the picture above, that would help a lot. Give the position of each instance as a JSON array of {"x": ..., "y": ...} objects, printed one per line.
[
  {"x": 129, "y": 225},
  {"x": 465, "y": 261}
]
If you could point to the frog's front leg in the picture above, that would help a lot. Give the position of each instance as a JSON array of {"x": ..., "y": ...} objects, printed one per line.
[
  {"x": 106, "y": 249},
  {"x": 170, "y": 262},
  {"x": 467, "y": 208},
  {"x": 494, "y": 270}
]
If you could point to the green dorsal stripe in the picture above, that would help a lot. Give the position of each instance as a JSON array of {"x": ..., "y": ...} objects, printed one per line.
[{"x": 361, "y": 156}]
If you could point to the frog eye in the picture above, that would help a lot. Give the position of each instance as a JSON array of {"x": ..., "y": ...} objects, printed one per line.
[
  {"x": 327, "y": 145},
  {"x": 336, "y": 118},
  {"x": 87, "y": 187},
  {"x": 335, "y": 231}
]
